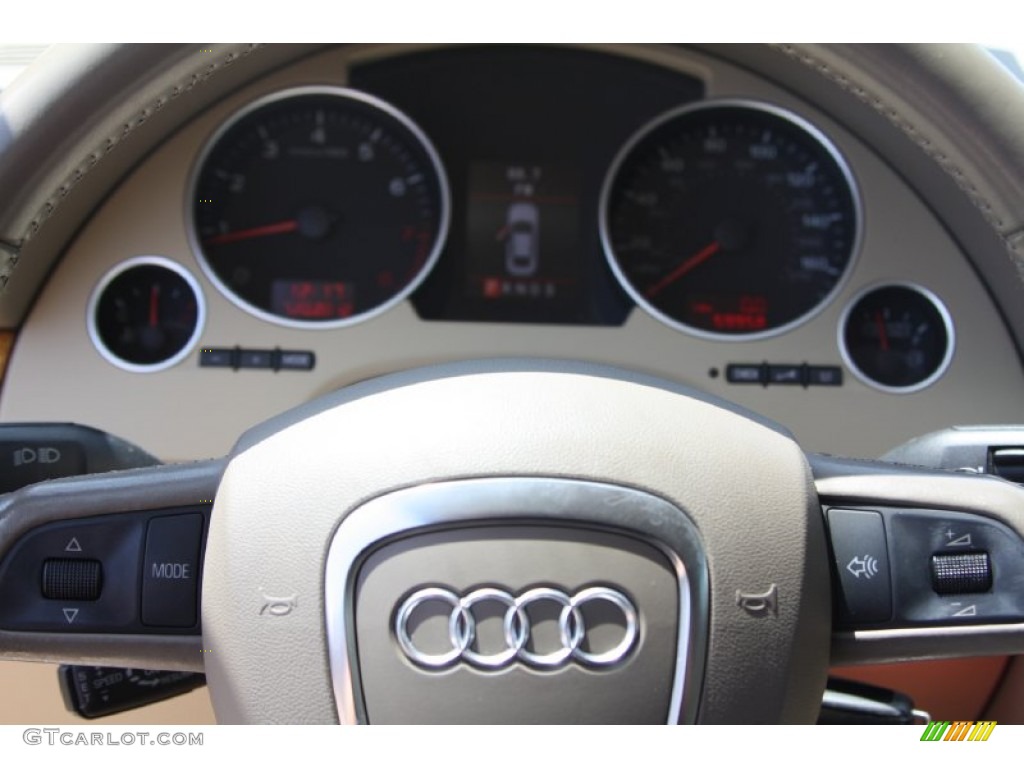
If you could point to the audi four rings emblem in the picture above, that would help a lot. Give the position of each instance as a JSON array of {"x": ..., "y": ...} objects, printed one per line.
[{"x": 572, "y": 629}]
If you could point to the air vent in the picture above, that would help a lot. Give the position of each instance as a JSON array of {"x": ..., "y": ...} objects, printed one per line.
[{"x": 1007, "y": 463}]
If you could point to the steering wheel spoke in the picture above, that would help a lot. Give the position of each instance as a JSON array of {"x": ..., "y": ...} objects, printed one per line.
[
  {"x": 105, "y": 569},
  {"x": 926, "y": 564}
]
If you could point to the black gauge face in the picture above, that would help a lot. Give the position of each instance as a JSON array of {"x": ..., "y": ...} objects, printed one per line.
[
  {"x": 898, "y": 338},
  {"x": 319, "y": 206},
  {"x": 146, "y": 314},
  {"x": 730, "y": 220}
]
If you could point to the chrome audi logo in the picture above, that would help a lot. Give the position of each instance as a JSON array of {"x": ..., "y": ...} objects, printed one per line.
[{"x": 573, "y": 638}]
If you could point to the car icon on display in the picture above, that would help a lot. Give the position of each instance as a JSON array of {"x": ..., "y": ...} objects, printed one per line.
[{"x": 522, "y": 251}]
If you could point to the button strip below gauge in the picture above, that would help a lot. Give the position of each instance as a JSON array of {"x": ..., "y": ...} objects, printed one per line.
[
  {"x": 797, "y": 374},
  {"x": 271, "y": 359}
]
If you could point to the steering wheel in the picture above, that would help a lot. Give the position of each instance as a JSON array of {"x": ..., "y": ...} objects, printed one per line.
[{"x": 508, "y": 540}]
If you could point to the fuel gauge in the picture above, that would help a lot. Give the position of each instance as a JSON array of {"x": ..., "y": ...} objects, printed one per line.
[
  {"x": 146, "y": 314},
  {"x": 897, "y": 337}
]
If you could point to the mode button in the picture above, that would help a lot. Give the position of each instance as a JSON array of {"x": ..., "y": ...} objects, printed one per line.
[{"x": 170, "y": 575}]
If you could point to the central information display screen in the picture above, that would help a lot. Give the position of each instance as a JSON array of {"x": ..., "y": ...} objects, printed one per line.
[
  {"x": 522, "y": 234},
  {"x": 526, "y": 135}
]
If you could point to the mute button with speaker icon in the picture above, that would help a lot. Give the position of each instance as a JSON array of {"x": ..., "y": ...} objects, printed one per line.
[{"x": 861, "y": 560}]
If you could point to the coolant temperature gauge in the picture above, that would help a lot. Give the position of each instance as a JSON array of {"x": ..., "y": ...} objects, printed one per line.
[
  {"x": 146, "y": 314},
  {"x": 897, "y": 338}
]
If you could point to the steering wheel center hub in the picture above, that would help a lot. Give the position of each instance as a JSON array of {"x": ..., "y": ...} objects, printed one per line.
[
  {"x": 549, "y": 542},
  {"x": 414, "y": 578}
]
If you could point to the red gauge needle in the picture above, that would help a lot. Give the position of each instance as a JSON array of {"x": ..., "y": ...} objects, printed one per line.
[
  {"x": 154, "y": 306},
  {"x": 883, "y": 336},
  {"x": 694, "y": 261},
  {"x": 280, "y": 228}
]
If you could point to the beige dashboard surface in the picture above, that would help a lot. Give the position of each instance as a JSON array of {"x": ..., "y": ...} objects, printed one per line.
[{"x": 187, "y": 412}]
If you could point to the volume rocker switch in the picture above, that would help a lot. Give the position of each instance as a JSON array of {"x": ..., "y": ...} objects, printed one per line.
[{"x": 961, "y": 574}]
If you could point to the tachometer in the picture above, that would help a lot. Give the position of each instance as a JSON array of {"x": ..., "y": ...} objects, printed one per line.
[
  {"x": 318, "y": 206},
  {"x": 730, "y": 219}
]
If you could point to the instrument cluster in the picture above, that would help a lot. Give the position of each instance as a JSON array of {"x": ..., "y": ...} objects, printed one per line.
[{"x": 560, "y": 187}]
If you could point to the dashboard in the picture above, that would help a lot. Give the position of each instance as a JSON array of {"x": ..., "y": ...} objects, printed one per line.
[
  {"x": 371, "y": 209},
  {"x": 650, "y": 207}
]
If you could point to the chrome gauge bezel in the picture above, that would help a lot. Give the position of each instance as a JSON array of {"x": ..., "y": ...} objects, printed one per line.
[
  {"x": 97, "y": 293},
  {"x": 934, "y": 300},
  {"x": 813, "y": 132},
  {"x": 346, "y": 94}
]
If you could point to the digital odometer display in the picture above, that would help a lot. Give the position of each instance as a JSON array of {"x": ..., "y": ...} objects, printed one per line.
[
  {"x": 313, "y": 299},
  {"x": 319, "y": 206},
  {"x": 730, "y": 219}
]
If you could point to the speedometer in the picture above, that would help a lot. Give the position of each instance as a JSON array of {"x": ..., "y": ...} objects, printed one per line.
[
  {"x": 730, "y": 219},
  {"x": 318, "y": 206}
]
